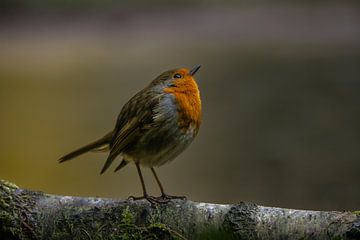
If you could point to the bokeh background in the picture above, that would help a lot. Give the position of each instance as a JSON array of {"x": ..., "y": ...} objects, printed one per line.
[{"x": 280, "y": 85}]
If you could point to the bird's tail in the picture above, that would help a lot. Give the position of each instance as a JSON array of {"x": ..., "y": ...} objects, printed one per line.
[{"x": 101, "y": 144}]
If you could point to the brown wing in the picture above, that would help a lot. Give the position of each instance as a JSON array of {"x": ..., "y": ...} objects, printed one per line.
[
  {"x": 126, "y": 136},
  {"x": 135, "y": 117}
]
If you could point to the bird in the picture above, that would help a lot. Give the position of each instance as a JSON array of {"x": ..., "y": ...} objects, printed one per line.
[{"x": 153, "y": 127}]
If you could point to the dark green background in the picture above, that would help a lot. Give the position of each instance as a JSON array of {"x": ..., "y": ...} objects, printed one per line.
[{"x": 280, "y": 85}]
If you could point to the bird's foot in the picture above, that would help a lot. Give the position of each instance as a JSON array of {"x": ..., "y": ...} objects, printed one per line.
[
  {"x": 164, "y": 198},
  {"x": 169, "y": 197},
  {"x": 151, "y": 199}
]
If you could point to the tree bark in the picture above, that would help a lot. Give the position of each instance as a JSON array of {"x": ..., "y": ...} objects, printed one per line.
[{"x": 28, "y": 214}]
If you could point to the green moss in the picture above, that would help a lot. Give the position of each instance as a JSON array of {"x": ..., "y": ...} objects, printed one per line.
[
  {"x": 8, "y": 185},
  {"x": 129, "y": 230},
  {"x": 127, "y": 217},
  {"x": 15, "y": 213},
  {"x": 9, "y": 225},
  {"x": 356, "y": 212}
]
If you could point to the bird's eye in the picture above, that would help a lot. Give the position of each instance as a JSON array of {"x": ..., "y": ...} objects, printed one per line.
[{"x": 177, "y": 75}]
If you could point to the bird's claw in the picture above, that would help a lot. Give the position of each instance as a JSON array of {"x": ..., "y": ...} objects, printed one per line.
[
  {"x": 149, "y": 198},
  {"x": 169, "y": 197},
  {"x": 164, "y": 198}
]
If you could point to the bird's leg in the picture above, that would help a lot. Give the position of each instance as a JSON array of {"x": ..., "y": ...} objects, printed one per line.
[
  {"x": 145, "y": 195},
  {"x": 158, "y": 181},
  {"x": 141, "y": 179},
  {"x": 164, "y": 196}
]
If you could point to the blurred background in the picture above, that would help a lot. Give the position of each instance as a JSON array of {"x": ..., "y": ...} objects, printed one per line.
[{"x": 280, "y": 86}]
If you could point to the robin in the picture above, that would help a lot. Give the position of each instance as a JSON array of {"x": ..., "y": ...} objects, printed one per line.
[{"x": 153, "y": 127}]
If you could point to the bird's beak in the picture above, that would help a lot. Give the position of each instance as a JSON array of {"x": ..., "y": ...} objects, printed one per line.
[{"x": 194, "y": 70}]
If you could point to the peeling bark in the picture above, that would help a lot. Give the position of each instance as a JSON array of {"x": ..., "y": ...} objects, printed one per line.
[{"x": 28, "y": 214}]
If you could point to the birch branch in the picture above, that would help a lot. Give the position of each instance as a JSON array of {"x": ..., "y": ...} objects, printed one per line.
[{"x": 26, "y": 214}]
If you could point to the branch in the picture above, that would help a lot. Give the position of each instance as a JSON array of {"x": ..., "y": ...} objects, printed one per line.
[{"x": 28, "y": 214}]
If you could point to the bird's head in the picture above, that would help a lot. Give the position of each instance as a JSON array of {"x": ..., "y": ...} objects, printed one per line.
[{"x": 180, "y": 79}]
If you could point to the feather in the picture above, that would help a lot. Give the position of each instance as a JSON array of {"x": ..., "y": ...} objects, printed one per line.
[
  {"x": 121, "y": 165},
  {"x": 100, "y": 143}
]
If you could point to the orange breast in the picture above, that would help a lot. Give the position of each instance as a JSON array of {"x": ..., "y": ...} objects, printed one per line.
[{"x": 187, "y": 95}]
